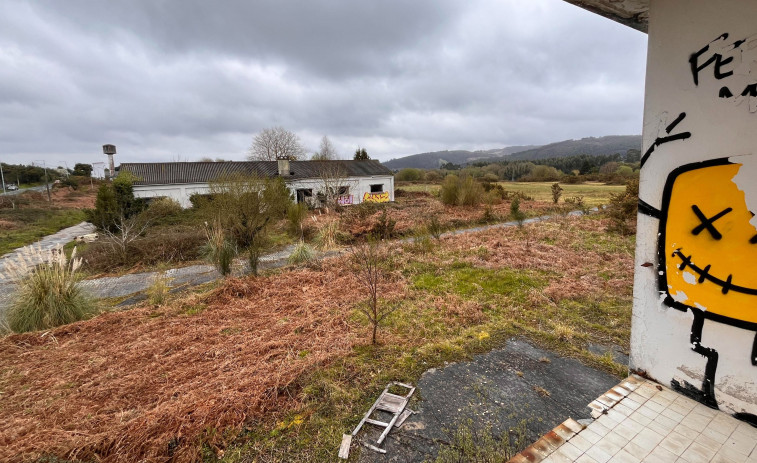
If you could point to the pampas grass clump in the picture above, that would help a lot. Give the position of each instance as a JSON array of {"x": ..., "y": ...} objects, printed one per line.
[
  {"x": 48, "y": 294},
  {"x": 302, "y": 253}
]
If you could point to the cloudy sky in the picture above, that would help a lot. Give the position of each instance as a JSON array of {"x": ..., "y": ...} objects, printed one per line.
[{"x": 172, "y": 80}]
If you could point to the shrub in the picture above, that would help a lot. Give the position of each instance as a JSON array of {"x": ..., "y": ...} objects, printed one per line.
[
  {"x": 421, "y": 244},
  {"x": 115, "y": 203},
  {"x": 157, "y": 293},
  {"x": 488, "y": 215},
  {"x": 164, "y": 207},
  {"x": 543, "y": 174},
  {"x": 296, "y": 213},
  {"x": 160, "y": 245},
  {"x": 623, "y": 207},
  {"x": 245, "y": 207},
  {"x": 470, "y": 192},
  {"x": 434, "y": 227},
  {"x": 49, "y": 294},
  {"x": 219, "y": 251},
  {"x": 198, "y": 200},
  {"x": 302, "y": 253},
  {"x": 383, "y": 229},
  {"x": 409, "y": 175},
  {"x": 432, "y": 176},
  {"x": 578, "y": 201},
  {"x": 461, "y": 191},
  {"x": 450, "y": 190},
  {"x": 490, "y": 178},
  {"x": 364, "y": 210},
  {"x": 330, "y": 235},
  {"x": 515, "y": 212},
  {"x": 70, "y": 182},
  {"x": 495, "y": 189},
  {"x": 556, "y": 192}
]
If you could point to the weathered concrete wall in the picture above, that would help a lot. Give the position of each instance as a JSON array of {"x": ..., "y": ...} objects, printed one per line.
[
  {"x": 358, "y": 187},
  {"x": 700, "y": 180}
]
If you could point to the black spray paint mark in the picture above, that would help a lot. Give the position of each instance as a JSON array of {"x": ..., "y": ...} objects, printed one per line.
[
  {"x": 647, "y": 209},
  {"x": 750, "y": 90},
  {"x": 662, "y": 140},
  {"x": 716, "y": 58},
  {"x": 725, "y": 92},
  {"x": 707, "y": 223}
]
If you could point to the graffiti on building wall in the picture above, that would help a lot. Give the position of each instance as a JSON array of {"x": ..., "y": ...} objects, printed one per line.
[
  {"x": 734, "y": 62},
  {"x": 376, "y": 197},
  {"x": 345, "y": 200},
  {"x": 706, "y": 248}
]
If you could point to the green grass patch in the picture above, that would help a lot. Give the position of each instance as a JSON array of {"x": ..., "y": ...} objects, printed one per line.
[
  {"x": 480, "y": 283},
  {"x": 593, "y": 194},
  {"x": 31, "y": 225}
]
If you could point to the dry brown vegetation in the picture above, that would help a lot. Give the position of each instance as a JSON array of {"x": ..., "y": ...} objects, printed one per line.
[
  {"x": 412, "y": 210},
  {"x": 146, "y": 384},
  {"x": 159, "y": 384}
]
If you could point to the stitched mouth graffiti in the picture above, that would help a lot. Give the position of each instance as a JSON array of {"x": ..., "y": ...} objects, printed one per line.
[
  {"x": 704, "y": 275},
  {"x": 707, "y": 244}
]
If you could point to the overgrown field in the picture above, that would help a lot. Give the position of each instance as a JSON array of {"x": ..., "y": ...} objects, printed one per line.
[
  {"x": 593, "y": 194},
  {"x": 176, "y": 238},
  {"x": 276, "y": 368},
  {"x": 29, "y": 216}
]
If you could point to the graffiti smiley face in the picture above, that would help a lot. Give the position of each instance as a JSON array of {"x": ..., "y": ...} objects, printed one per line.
[{"x": 707, "y": 246}]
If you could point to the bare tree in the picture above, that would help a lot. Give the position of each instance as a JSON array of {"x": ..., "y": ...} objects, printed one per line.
[
  {"x": 335, "y": 182},
  {"x": 125, "y": 230},
  {"x": 274, "y": 143},
  {"x": 370, "y": 267},
  {"x": 326, "y": 152}
]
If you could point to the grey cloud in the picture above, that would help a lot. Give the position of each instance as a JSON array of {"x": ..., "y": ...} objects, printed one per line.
[{"x": 188, "y": 78}]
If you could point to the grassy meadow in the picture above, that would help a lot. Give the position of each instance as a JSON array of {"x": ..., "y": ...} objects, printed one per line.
[{"x": 594, "y": 194}]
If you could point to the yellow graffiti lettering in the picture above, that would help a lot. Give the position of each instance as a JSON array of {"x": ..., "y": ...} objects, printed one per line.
[{"x": 376, "y": 197}]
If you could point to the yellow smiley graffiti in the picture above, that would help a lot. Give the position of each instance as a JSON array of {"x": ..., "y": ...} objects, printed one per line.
[{"x": 708, "y": 248}]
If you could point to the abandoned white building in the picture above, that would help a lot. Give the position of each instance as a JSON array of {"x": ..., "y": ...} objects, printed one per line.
[{"x": 356, "y": 181}]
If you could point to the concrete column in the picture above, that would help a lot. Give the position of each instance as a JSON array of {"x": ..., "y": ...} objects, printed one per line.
[{"x": 700, "y": 184}]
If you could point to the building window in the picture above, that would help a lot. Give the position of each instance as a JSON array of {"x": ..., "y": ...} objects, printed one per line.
[
  {"x": 304, "y": 195},
  {"x": 344, "y": 190},
  {"x": 377, "y": 188}
]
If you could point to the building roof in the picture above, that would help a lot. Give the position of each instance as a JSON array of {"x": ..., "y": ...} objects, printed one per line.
[
  {"x": 166, "y": 173},
  {"x": 632, "y": 13}
]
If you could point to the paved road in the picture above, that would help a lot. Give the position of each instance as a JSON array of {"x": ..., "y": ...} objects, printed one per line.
[{"x": 22, "y": 190}]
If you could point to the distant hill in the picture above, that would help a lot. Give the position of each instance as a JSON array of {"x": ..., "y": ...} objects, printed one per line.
[
  {"x": 610, "y": 144},
  {"x": 593, "y": 146},
  {"x": 435, "y": 159}
]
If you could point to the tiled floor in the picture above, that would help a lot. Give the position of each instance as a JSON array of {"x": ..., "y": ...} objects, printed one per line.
[{"x": 651, "y": 423}]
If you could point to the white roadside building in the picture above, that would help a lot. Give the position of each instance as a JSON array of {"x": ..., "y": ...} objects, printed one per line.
[{"x": 356, "y": 181}]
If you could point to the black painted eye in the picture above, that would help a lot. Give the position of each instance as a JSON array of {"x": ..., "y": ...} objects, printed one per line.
[
  {"x": 753, "y": 240},
  {"x": 707, "y": 223}
]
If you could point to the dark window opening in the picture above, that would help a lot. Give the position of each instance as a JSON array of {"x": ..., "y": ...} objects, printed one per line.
[
  {"x": 304, "y": 194},
  {"x": 377, "y": 188},
  {"x": 344, "y": 190}
]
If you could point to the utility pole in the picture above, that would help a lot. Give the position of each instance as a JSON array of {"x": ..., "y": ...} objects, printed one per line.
[
  {"x": 47, "y": 183},
  {"x": 2, "y": 176}
]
